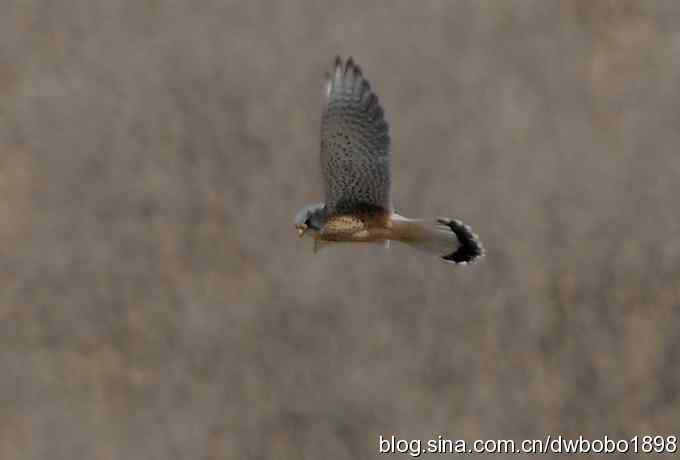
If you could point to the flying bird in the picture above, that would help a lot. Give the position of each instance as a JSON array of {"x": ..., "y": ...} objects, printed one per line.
[{"x": 355, "y": 166}]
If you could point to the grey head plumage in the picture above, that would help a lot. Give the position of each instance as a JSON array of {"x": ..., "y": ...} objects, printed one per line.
[{"x": 310, "y": 217}]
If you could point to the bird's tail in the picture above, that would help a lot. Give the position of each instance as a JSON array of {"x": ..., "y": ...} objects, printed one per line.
[{"x": 450, "y": 239}]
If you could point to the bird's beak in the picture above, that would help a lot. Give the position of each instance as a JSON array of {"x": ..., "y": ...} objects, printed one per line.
[{"x": 302, "y": 228}]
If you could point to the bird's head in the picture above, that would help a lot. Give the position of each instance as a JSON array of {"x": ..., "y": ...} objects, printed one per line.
[{"x": 310, "y": 219}]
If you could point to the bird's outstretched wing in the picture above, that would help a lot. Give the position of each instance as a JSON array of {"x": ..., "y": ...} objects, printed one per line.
[{"x": 355, "y": 144}]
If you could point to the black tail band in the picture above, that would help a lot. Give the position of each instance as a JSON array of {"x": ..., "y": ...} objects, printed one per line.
[{"x": 470, "y": 248}]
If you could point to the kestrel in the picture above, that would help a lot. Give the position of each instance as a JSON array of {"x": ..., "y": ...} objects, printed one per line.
[{"x": 355, "y": 165}]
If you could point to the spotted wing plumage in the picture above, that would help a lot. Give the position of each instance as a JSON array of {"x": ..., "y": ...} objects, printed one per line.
[{"x": 355, "y": 144}]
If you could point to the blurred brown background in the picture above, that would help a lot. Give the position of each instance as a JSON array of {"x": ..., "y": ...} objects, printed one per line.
[{"x": 156, "y": 303}]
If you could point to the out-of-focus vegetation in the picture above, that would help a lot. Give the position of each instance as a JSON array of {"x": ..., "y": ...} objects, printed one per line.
[{"x": 156, "y": 303}]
